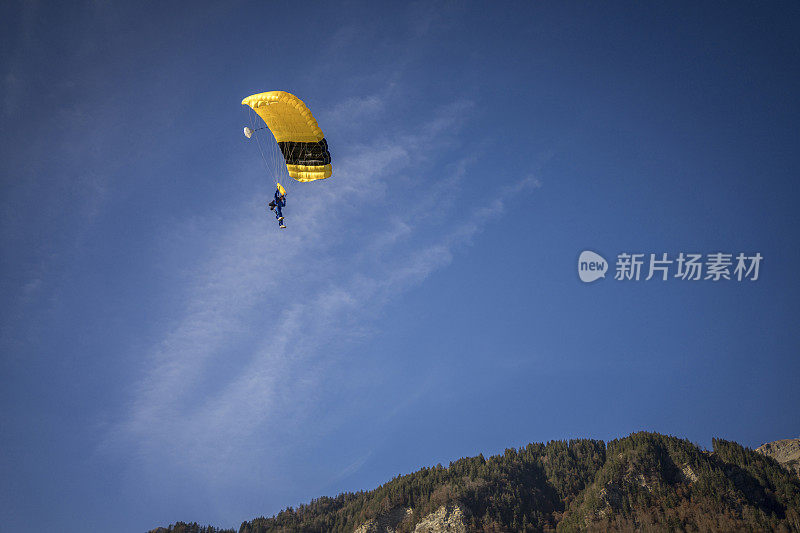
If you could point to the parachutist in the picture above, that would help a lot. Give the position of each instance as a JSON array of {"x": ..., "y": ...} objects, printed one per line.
[
  {"x": 278, "y": 203},
  {"x": 299, "y": 141}
]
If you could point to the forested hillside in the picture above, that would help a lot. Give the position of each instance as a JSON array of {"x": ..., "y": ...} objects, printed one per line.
[{"x": 644, "y": 481}]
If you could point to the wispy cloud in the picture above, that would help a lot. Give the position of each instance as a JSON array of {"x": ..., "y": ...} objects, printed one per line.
[{"x": 250, "y": 355}]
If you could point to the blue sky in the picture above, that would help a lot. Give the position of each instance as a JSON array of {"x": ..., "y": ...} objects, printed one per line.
[{"x": 169, "y": 354}]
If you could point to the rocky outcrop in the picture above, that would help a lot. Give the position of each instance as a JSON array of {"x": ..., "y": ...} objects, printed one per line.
[
  {"x": 386, "y": 522},
  {"x": 786, "y": 452},
  {"x": 689, "y": 474},
  {"x": 446, "y": 519}
]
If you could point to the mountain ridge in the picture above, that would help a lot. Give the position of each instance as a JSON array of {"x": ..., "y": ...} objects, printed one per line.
[{"x": 645, "y": 481}]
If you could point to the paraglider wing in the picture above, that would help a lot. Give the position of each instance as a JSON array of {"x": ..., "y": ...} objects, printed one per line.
[{"x": 297, "y": 133}]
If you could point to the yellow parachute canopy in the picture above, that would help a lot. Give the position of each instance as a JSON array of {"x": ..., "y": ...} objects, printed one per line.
[{"x": 297, "y": 133}]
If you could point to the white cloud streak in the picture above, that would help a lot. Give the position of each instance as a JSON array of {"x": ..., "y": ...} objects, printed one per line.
[{"x": 201, "y": 406}]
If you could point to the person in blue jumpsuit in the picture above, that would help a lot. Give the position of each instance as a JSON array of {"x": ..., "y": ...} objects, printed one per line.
[{"x": 278, "y": 204}]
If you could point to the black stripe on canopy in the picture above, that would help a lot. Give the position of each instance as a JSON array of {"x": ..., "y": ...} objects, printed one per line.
[{"x": 313, "y": 154}]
